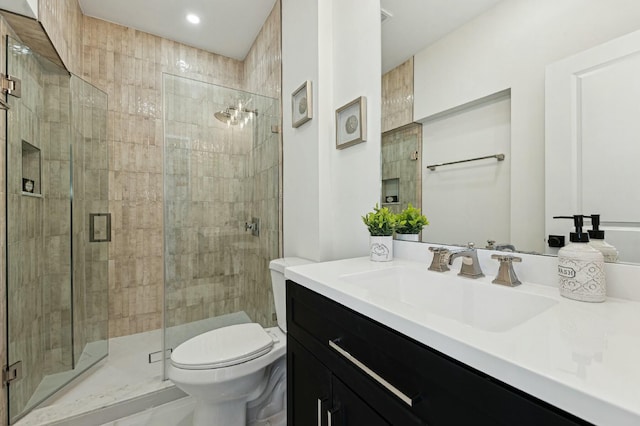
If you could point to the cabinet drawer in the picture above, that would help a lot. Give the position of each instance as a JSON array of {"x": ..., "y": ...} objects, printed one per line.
[{"x": 403, "y": 376}]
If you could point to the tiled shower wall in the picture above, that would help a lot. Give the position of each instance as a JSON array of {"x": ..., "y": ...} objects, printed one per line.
[
  {"x": 397, "y": 96},
  {"x": 210, "y": 192},
  {"x": 39, "y": 231},
  {"x": 128, "y": 65},
  {"x": 262, "y": 70}
]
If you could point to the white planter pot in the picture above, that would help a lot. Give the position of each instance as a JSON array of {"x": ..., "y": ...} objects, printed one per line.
[
  {"x": 381, "y": 248},
  {"x": 408, "y": 237}
]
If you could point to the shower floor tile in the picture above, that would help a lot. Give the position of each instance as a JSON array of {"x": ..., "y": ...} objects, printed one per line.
[
  {"x": 123, "y": 375},
  {"x": 124, "y": 383}
]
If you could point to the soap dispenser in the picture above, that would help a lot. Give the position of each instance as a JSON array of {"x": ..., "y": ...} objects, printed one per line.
[
  {"x": 596, "y": 240},
  {"x": 581, "y": 267}
]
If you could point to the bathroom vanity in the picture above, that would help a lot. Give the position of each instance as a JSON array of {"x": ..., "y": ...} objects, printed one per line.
[{"x": 366, "y": 346}]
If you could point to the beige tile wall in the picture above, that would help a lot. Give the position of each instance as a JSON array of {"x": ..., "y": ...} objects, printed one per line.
[
  {"x": 128, "y": 65},
  {"x": 62, "y": 20},
  {"x": 38, "y": 243},
  {"x": 397, "y": 96},
  {"x": 263, "y": 72}
]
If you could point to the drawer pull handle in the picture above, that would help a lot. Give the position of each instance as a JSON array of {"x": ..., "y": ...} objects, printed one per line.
[
  {"x": 394, "y": 390},
  {"x": 330, "y": 414},
  {"x": 321, "y": 402}
]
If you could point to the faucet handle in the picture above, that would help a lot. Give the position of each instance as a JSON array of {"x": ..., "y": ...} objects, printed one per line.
[
  {"x": 506, "y": 274},
  {"x": 440, "y": 259}
]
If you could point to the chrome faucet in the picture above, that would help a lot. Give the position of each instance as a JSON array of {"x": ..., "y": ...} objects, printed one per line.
[
  {"x": 470, "y": 265},
  {"x": 505, "y": 247}
]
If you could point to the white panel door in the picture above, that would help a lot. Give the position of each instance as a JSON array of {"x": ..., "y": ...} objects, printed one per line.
[
  {"x": 470, "y": 201},
  {"x": 593, "y": 141}
]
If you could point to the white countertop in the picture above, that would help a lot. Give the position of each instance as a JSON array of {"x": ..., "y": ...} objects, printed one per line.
[{"x": 581, "y": 357}]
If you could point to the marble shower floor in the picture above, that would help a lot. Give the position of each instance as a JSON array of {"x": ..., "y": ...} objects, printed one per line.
[
  {"x": 125, "y": 383},
  {"x": 124, "y": 375}
]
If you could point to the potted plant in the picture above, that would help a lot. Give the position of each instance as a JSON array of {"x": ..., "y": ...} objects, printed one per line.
[
  {"x": 409, "y": 224},
  {"x": 381, "y": 224}
]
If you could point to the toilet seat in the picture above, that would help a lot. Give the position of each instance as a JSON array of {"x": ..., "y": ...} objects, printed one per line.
[{"x": 223, "y": 347}]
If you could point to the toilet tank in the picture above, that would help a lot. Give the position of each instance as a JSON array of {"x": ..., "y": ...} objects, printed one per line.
[{"x": 278, "y": 284}]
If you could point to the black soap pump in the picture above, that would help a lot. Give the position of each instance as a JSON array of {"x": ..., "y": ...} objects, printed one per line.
[
  {"x": 597, "y": 240},
  {"x": 580, "y": 266}
]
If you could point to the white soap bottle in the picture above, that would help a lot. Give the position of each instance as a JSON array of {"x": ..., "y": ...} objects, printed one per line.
[
  {"x": 581, "y": 267},
  {"x": 596, "y": 240}
]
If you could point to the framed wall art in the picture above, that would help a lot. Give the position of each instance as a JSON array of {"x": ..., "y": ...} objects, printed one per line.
[
  {"x": 351, "y": 123},
  {"x": 301, "y": 104}
]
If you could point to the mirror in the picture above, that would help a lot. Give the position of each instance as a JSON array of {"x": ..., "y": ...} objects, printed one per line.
[{"x": 494, "y": 68}]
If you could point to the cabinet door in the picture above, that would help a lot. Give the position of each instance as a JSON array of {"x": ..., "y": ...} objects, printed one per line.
[
  {"x": 349, "y": 409},
  {"x": 308, "y": 387}
]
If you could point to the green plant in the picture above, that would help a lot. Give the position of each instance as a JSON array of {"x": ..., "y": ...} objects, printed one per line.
[
  {"x": 410, "y": 221},
  {"x": 380, "y": 222}
]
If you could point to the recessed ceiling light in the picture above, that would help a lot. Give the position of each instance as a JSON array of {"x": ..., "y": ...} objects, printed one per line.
[{"x": 194, "y": 19}]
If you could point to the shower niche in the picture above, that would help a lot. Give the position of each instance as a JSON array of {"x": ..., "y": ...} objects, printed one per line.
[
  {"x": 57, "y": 279},
  {"x": 31, "y": 173}
]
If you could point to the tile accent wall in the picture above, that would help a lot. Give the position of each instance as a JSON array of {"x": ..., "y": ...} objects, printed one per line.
[
  {"x": 263, "y": 75},
  {"x": 397, "y": 96},
  {"x": 128, "y": 65},
  {"x": 62, "y": 20}
]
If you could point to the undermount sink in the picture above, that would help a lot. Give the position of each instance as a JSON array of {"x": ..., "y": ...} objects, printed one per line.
[{"x": 480, "y": 305}]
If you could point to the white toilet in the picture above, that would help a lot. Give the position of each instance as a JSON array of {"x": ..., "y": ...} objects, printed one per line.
[{"x": 237, "y": 368}]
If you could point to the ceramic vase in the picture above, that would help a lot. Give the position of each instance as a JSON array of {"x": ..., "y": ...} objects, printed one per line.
[{"x": 381, "y": 248}]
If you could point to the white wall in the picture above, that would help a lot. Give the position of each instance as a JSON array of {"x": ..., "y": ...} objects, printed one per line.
[
  {"x": 336, "y": 45},
  {"x": 509, "y": 47},
  {"x": 468, "y": 202}
]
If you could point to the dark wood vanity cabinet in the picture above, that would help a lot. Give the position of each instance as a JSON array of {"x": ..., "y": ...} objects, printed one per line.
[{"x": 346, "y": 369}]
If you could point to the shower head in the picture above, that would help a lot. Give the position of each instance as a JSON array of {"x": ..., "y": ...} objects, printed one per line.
[
  {"x": 235, "y": 115},
  {"x": 226, "y": 117}
]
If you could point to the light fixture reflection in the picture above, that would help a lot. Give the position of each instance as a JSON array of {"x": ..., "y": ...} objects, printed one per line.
[{"x": 194, "y": 19}]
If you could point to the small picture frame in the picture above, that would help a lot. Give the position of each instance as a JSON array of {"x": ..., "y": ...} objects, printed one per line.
[
  {"x": 301, "y": 104},
  {"x": 351, "y": 123}
]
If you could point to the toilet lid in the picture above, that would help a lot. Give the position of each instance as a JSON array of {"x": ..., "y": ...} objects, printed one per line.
[{"x": 222, "y": 347}]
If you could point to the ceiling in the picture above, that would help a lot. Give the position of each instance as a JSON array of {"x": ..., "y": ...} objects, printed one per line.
[
  {"x": 230, "y": 27},
  {"x": 226, "y": 27}
]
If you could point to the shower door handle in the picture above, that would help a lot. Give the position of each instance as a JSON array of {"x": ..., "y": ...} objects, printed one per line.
[{"x": 99, "y": 227}]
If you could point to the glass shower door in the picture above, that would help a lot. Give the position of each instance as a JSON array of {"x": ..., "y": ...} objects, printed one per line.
[
  {"x": 56, "y": 280},
  {"x": 221, "y": 199}
]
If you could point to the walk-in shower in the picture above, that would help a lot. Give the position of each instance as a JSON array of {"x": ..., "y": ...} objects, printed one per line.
[
  {"x": 57, "y": 228},
  {"x": 221, "y": 172}
]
